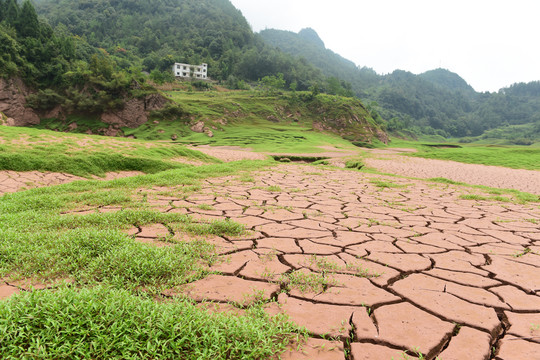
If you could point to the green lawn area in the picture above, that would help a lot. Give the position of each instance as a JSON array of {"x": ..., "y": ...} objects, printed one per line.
[
  {"x": 25, "y": 149},
  {"x": 269, "y": 123},
  {"x": 516, "y": 157}
]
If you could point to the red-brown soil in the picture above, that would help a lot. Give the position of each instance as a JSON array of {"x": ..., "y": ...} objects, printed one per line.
[
  {"x": 454, "y": 276},
  {"x": 12, "y": 181},
  {"x": 405, "y": 269},
  {"x": 389, "y": 161}
]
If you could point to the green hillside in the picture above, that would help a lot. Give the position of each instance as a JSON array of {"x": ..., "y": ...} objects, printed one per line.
[
  {"x": 437, "y": 102},
  {"x": 155, "y": 34}
]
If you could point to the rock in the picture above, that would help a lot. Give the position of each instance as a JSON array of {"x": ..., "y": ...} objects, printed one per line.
[
  {"x": 111, "y": 131},
  {"x": 132, "y": 115},
  {"x": 198, "y": 127},
  {"x": 174, "y": 137},
  {"x": 209, "y": 133},
  {"x": 13, "y": 94},
  {"x": 154, "y": 102},
  {"x": 155, "y": 122},
  {"x": 272, "y": 118},
  {"x": 56, "y": 112},
  {"x": 72, "y": 126}
]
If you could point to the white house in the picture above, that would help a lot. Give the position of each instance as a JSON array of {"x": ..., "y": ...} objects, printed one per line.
[{"x": 191, "y": 71}]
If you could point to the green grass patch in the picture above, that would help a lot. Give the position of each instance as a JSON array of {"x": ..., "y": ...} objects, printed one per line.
[
  {"x": 514, "y": 195},
  {"x": 354, "y": 164},
  {"x": 385, "y": 184},
  {"x": 271, "y": 123},
  {"x": 85, "y": 155},
  {"x": 511, "y": 156},
  {"x": 104, "y": 323},
  {"x": 307, "y": 282},
  {"x": 507, "y": 156}
]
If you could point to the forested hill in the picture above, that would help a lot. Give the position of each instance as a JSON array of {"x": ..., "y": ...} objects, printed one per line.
[
  {"x": 435, "y": 102},
  {"x": 153, "y": 34}
]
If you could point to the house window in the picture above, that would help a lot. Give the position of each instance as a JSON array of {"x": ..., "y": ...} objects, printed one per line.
[
  {"x": 185, "y": 74},
  {"x": 178, "y": 66}
]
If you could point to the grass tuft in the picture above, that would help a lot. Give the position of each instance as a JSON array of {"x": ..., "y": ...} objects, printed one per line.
[{"x": 105, "y": 323}]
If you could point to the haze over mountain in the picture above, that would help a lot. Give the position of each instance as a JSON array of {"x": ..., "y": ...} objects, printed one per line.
[
  {"x": 114, "y": 40},
  {"x": 436, "y": 102}
]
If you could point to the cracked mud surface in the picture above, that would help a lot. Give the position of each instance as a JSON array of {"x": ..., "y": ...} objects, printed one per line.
[
  {"x": 370, "y": 272},
  {"x": 475, "y": 174},
  {"x": 412, "y": 268},
  {"x": 12, "y": 181}
]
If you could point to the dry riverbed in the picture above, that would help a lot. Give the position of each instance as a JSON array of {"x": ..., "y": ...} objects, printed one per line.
[{"x": 382, "y": 266}]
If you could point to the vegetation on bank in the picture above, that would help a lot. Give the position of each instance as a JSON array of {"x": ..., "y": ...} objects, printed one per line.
[
  {"x": 437, "y": 102},
  {"x": 24, "y": 149},
  {"x": 515, "y": 157},
  {"x": 268, "y": 119},
  {"x": 101, "y": 302}
]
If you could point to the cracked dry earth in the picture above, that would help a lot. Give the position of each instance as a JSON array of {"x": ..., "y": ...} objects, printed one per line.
[
  {"x": 395, "y": 271},
  {"x": 13, "y": 181},
  {"x": 412, "y": 268}
]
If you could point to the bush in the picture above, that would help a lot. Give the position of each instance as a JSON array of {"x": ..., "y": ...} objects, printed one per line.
[
  {"x": 169, "y": 112},
  {"x": 44, "y": 100},
  {"x": 522, "y": 141},
  {"x": 202, "y": 85}
]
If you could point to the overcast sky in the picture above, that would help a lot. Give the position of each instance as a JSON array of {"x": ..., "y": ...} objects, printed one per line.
[{"x": 491, "y": 44}]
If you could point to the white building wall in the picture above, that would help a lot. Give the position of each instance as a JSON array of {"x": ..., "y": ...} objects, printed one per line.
[{"x": 186, "y": 71}]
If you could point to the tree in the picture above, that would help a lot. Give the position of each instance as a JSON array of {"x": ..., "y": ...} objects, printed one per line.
[
  {"x": 2, "y": 9},
  {"x": 272, "y": 83},
  {"x": 27, "y": 22},
  {"x": 12, "y": 12}
]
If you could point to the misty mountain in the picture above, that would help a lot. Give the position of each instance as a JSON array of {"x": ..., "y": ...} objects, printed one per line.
[{"x": 435, "y": 102}]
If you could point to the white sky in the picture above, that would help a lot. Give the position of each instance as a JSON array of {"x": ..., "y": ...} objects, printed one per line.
[{"x": 491, "y": 44}]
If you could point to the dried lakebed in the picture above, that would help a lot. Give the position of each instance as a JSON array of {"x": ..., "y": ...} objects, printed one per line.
[{"x": 370, "y": 271}]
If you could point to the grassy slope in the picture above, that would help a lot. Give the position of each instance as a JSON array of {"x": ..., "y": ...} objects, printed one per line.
[
  {"x": 516, "y": 157},
  {"x": 23, "y": 149},
  {"x": 263, "y": 121}
]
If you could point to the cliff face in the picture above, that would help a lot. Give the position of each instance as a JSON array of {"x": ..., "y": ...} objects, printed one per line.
[
  {"x": 13, "y": 110},
  {"x": 13, "y": 94},
  {"x": 135, "y": 111}
]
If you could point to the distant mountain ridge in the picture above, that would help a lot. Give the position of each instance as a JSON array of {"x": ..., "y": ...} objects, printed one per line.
[
  {"x": 446, "y": 78},
  {"x": 434, "y": 102}
]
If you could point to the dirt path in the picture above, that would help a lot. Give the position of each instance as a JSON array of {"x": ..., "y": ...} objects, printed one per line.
[
  {"x": 407, "y": 268},
  {"x": 475, "y": 174}
]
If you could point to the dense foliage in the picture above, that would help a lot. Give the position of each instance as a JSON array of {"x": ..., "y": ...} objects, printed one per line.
[
  {"x": 155, "y": 34},
  {"x": 435, "y": 102},
  {"x": 64, "y": 68}
]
